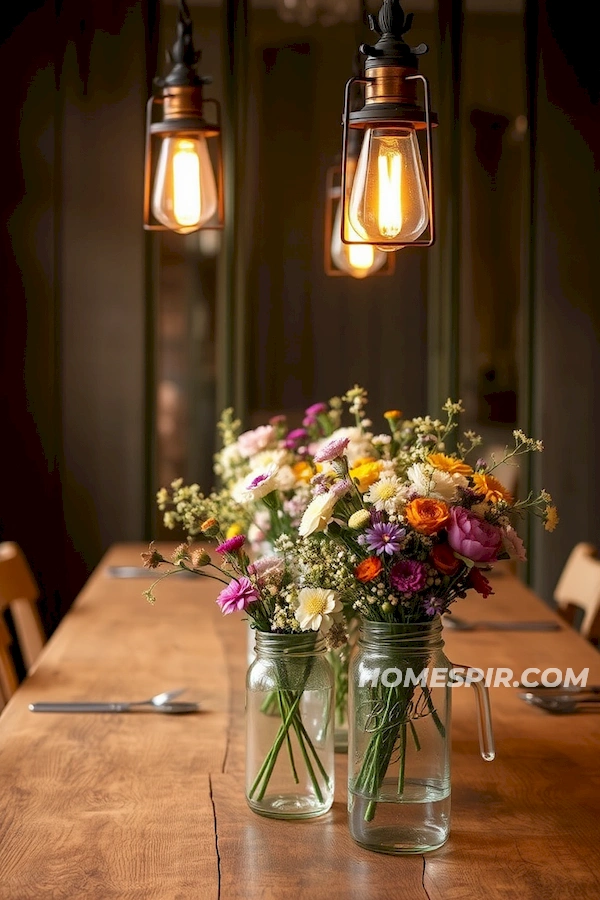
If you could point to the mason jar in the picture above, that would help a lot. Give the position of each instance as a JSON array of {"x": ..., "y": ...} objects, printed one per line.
[{"x": 290, "y": 727}]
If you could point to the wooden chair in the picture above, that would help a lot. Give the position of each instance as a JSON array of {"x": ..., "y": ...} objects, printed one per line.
[
  {"x": 578, "y": 588},
  {"x": 18, "y": 592}
]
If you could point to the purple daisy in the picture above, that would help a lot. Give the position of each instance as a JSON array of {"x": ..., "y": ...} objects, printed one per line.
[
  {"x": 237, "y": 596},
  {"x": 384, "y": 537},
  {"x": 433, "y": 605},
  {"x": 232, "y": 545},
  {"x": 409, "y": 576},
  {"x": 332, "y": 450}
]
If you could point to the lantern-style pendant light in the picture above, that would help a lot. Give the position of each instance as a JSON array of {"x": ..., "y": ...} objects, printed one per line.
[
  {"x": 390, "y": 203},
  {"x": 183, "y": 189}
]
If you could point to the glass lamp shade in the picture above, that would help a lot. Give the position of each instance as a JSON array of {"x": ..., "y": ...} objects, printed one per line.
[
  {"x": 389, "y": 199},
  {"x": 184, "y": 195}
]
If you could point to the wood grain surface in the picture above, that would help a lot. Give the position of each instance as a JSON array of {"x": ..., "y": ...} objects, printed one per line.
[{"x": 152, "y": 806}]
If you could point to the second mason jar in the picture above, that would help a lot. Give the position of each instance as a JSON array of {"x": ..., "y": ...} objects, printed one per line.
[{"x": 398, "y": 754}]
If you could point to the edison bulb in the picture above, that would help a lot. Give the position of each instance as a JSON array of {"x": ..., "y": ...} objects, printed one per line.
[
  {"x": 185, "y": 192},
  {"x": 388, "y": 201}
]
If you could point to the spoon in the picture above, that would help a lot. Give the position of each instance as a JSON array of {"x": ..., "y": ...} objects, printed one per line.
[
  {"x": 158, "y": 703},
  {"x": 558, "y": 705}
]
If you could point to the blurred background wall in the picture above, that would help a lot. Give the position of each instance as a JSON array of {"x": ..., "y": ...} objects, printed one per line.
[{"x": 119, "y": 350}]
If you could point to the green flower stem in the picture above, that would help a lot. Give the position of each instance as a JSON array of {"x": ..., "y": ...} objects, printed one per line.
[
  {"x": 290, "y": 718},
  {"x": 311, "y": 747},
  {"x": 288, "y": 741},
  {"x": 402, "y": 766},
  {"x": 268, "y": 765},
  {"x": 307, "y": 761},
  {"x": 434, "y": 714},
  {"x": 415, "y": 736}
]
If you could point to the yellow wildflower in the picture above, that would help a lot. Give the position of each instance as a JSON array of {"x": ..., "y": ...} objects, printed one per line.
[
  {"x": 303, "y": 471},
  {"x": 233, "y": 530},
  {"x": 491, "y": 488},
  {"x": 449, "y": 464},
  {"x": 552, "y": 519},
  {"x": 365, "y": 474}
]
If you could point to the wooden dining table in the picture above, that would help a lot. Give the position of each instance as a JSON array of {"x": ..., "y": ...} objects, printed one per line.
[{"x": 138, "y": 806}]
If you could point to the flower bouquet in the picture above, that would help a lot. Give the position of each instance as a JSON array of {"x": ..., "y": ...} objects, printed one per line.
[
  {"x": 267, "y": 478},
  {"x": 403, "y": 540},
  {"x": 290, "y": 684}
]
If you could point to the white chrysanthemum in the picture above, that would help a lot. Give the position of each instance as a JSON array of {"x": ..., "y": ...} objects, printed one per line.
[
  {"x": 275, "y": 456},
  {"x": 318, "y": 514},
  {"x": 259, "y": 484},
  {"x": 316, "y": 609},
  {"x": 430, "y": 482},
  {"x": 386, "y": 494},
  {"x": 286, "y": 479}
]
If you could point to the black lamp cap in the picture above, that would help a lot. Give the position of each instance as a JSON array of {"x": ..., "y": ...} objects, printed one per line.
[
  {"x": 391, "y": 24},
  {"x": 182, "y": 56}
]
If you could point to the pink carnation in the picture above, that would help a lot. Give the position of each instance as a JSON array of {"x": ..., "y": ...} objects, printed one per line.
[
  {"x": 232, "y": 545},
  {"x": 315, "y": 410},
  {"x": 237, "y": 596},
  {"x": 472, "y": 537},
  {"x": 267, "y": 568},
  {"x": 331, "y": 450}
]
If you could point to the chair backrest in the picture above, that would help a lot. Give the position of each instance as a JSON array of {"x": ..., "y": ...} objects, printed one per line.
[
  {"x": 579, "y": 587},
  {"x": 18, "y": 592}
]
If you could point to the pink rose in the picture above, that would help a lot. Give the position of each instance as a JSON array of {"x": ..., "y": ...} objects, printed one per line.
[{"x": 472, "y": 537}]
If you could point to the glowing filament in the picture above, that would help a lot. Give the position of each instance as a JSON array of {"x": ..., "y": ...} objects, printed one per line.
[
  {"x": 187, "y": 197},
  {"x": 390, "y": 193}
]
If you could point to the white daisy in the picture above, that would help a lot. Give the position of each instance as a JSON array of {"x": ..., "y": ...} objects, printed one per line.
[
  {"x": 316, "y": 608},
  {"x": 388, "y": 493}
]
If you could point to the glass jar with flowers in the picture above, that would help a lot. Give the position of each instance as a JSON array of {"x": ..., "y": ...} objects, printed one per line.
[
  {"x": 290, "y": 686},
  {"x": 403, "y": 541}
]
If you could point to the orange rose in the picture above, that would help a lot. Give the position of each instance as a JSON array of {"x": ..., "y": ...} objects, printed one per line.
[
  {"x": 443, "y": 558},
  {"x": 427, "y": 516},
  {"x": 449, "y": 464},
  {"x": 491, "y": 488},
  {"x": 368, "y": 569}
]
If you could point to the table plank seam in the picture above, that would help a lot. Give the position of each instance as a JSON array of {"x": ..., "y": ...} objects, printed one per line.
[
  {"x": 427, "y": 894},
  {"x": 214, "y": 809}
]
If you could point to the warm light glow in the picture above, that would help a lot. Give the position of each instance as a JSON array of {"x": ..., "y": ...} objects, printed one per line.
[
  {"x": 389, "y": 215},
  {"x": 360, "y": 256},
  {"x": 389, "y": 201},
  {"x": 358, "y": 260},
  {"x": 184, "y": 197},
  {"x": 187, "y": 196}
]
